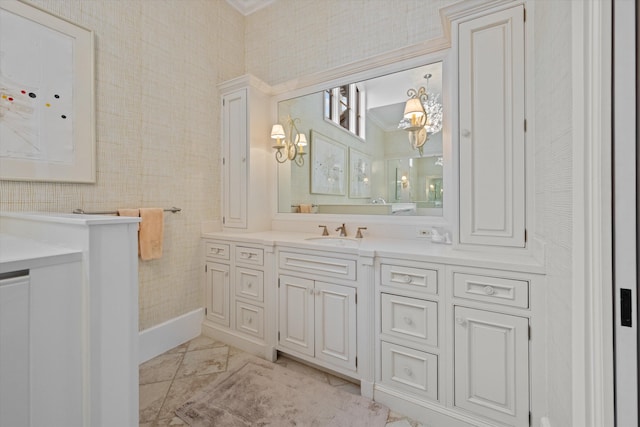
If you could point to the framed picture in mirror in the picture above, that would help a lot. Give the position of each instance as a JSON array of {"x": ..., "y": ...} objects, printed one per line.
[
  {"x": 328, "y": 164},
  {"x": 359, "y": 175}
]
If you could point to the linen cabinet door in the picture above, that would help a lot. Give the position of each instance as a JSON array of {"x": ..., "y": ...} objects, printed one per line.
[
  {"x": 492, "y": 136},
  {"x": 335, "y": 335},
  {"x": 235, "y": 152},
  {"x": 217, "y": 292},
  {"x": 491, "y": 365},
  {"x": 296, "y": 314}
]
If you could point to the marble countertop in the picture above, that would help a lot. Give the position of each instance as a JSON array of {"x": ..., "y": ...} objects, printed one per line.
[
  {"x": 407, "y": 249},
  {"x": 18, "y": 253}
]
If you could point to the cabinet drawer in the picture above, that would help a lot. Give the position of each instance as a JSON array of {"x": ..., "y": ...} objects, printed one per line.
[
  {"x": 410, "y": 318},
  {"x": 496, "y": 290},
  {"x": 249, "y": 284},
  {"x": 327, "y": 266},
  {"x": 410, "y": 278},
  {"x": 216, "y": 250},
  {"x": 249, "y": 255},
  {"x": 250, "y": 319},
  {"x": 410, "y": 370}
]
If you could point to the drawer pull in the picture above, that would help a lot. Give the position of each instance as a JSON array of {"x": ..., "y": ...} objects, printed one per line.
[
  {"x": 406, "y": 278},
  {"x": 408, "y": 371},
  {"x": 246, "y": 255},
  {"x": 489, "y": 290},
  {"x": 215, "y": 250},
  {"x": 460, "y": 321},
  {"x": 408, "y": 321}
]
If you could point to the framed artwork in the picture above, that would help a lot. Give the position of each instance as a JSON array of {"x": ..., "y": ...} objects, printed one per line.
[
  {"x": 328, "y": 164},
  {"x": 359, "y": 174},
  {"x": 47, "y": 109}
]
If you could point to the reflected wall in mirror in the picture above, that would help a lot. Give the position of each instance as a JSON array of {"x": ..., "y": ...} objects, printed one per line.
[{"x": 385, "y": 174}]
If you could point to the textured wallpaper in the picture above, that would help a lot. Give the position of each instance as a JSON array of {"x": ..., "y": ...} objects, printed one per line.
[
  {"x": 292, "y": 38},
  {"x": 554, "y": 191},
  {"x": 158, "y": 63}
]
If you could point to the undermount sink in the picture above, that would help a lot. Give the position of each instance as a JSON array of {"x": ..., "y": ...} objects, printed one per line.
[{"x": 341, "y": 242}]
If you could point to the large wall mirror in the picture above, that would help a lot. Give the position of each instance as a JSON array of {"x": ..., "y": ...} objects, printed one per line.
[{"x": 364, "y": 153}]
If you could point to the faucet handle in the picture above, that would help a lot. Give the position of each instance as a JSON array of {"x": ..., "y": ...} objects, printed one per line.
[
  {"x": 324, "y": 232},
  {"x": 343, "y": 230},
  {"x": 359, "y": 232}
]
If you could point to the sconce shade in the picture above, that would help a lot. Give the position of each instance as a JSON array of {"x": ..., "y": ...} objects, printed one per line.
[
  {"x": 277, "y": 132},
  {"x": 413, "y": 108},
  {"x": 302, "y": 140}
]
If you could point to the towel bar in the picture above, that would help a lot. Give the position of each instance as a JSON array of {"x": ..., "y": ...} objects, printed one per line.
[{"x": 80, "y": 211}]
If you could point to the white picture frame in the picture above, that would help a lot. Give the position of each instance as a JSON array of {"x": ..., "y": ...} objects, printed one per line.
[
  {"x": 328, "y": 165},
  {"x": 359, "y": 174},
  {"x": 47, "y": 100}
]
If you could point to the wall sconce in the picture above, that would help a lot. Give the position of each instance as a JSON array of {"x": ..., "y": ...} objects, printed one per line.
[
  {"x": 289, "y": 146},
  {"x": 404, "y": 180},
  {"x": 422, "y": 116}
]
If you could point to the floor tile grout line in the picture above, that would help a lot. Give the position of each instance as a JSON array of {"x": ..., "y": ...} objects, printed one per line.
[{"x": 157, "y": 417}]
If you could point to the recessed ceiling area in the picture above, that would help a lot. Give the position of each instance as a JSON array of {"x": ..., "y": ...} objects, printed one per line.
[{"x": 247, "y": 7}]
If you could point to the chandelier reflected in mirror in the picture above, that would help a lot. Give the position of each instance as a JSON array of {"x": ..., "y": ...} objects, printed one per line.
[
  {"x": 422, "y": 116},
  {"x": 289, "y": 145}
]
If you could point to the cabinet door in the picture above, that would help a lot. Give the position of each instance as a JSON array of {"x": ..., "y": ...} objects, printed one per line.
[
  {"x": 296, "y": 318},
  {"x": 14, "y": 351},
  {"x": 492, "y": 155},
  {"x": 335, "y": 320},
  {"x": 217, "y": 292},
  {"x": 235, "y": 153},
  {"x": 491, "y": 365}
]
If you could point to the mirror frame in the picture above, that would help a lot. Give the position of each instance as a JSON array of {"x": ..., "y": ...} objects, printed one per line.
[{"x": 395, "y": 61}]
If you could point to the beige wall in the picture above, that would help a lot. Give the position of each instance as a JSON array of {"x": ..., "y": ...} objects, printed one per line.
[
  {"x": 157, "y": 66},
  {"x": 554, "y": 191},
  {"x": 292, "y": 38}
]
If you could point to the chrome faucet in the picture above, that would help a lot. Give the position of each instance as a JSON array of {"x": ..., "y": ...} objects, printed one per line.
[{"x": 343, "y": 230}]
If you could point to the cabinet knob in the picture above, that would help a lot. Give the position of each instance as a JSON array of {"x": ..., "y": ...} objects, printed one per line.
[
  {"x": 249, "y": 284},
  {"x": 465, "y": 133},
  {"x": 460, "y": 321},
  {"x": 249, "y": 320},
  {"x": 311, "y": 291},
  {"x": 489, "y": 290},
  {"x": 408, "y": 371},
  {"x": 408, "y": 321}
]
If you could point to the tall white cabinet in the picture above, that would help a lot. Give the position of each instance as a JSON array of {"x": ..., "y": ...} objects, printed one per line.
[
  {"x": 491, "y": 67},
  {"x": 245, "y": 154}
]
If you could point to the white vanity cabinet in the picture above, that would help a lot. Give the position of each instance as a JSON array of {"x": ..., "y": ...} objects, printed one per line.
[
  {"x": 453, "y": 342},
  {"x": 236, "y": 300},
  {"x": 318, "y": 319},
  {"x": 317, "y": 316},
  {"x": 491, "y": 95},
  {"x": 409, "y": 327},
  {"x": 245, "y": 154},
  {"x": 491, "y": 365}
]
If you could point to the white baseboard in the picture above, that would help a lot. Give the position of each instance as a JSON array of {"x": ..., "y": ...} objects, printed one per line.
[{"x": 165, "y": 336}]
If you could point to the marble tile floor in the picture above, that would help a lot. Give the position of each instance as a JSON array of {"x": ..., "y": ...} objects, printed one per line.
[{"x": 168, "y": 380}]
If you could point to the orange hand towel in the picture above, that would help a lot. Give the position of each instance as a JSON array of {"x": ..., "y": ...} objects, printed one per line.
[
  {"x": 305, "y": 208},
  {"x": 151, "y": 233},
  {"x": 130, "y": 212}
]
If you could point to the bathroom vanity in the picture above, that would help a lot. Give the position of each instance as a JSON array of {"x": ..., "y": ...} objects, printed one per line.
[{"x": 449, "y": 334}]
